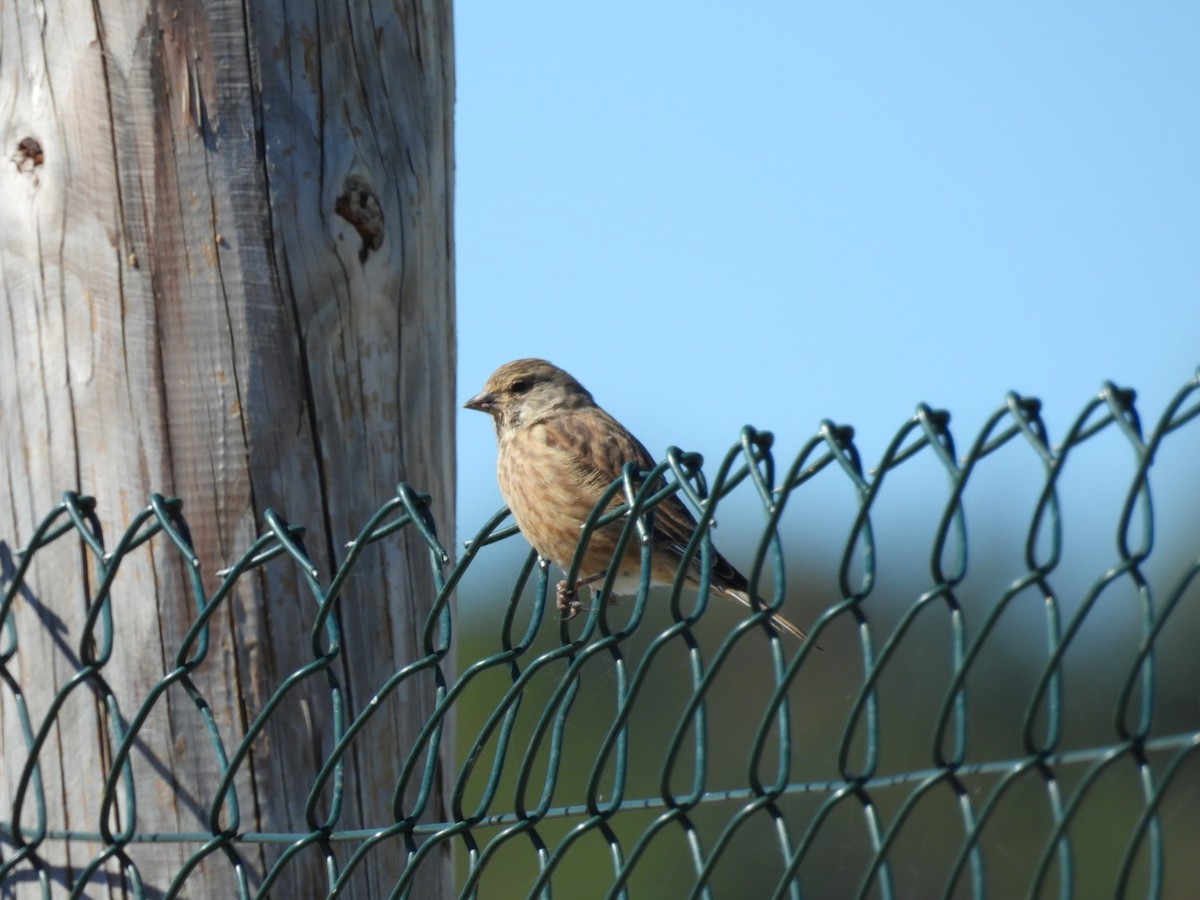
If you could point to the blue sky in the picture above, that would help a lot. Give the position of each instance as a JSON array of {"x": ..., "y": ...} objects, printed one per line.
[{"x": 782, "y": 212}]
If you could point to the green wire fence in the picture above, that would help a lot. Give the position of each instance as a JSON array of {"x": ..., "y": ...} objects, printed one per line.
[{"x": 1023, "y": 720}]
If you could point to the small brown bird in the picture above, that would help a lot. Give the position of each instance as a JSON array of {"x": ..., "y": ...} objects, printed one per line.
[{"x": 559, "y": 451}]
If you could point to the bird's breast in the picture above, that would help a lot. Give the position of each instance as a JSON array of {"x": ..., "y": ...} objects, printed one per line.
[{"x": 549, "y": 498}]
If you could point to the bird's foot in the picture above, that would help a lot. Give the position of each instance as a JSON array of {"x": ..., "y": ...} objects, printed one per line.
[
  {"x": 567, "y": 597},
  {"x": 567, "y": 600}
]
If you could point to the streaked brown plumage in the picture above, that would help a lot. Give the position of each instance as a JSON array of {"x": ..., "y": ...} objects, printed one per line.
[{"x": 558, "y": 452}]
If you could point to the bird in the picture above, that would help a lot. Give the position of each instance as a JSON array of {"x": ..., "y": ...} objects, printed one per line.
[{"x": 557, "y": 453}]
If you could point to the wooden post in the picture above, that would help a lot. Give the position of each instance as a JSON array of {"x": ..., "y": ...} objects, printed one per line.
[{"x": 227, "y": 259}]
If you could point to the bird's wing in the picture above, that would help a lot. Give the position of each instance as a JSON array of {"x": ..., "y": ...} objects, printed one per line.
[{"x": 599, "y": 449}]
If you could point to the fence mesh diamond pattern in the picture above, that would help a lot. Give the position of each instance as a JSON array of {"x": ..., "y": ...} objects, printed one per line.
[{"x": 1020, "y": 720}]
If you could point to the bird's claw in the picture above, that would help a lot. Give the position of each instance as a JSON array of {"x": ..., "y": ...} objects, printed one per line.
[
  {"x": 567, "y": 597},
  {"x": 567, "y": 600}
]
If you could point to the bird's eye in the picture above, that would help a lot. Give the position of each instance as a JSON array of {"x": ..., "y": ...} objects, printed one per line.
[{"x": 522, "y": 386}]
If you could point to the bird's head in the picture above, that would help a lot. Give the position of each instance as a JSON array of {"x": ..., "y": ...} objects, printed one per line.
[{"x": 526, "y": 391}]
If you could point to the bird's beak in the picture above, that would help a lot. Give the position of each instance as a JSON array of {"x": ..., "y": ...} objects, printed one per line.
[{"x": 482, "y": 402}]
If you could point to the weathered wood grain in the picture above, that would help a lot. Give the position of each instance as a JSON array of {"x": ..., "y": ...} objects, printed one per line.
[{"x": 227, "y": 260}]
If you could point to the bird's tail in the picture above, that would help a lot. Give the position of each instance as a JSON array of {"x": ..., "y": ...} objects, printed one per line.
[{"x": 777, "y": 620}]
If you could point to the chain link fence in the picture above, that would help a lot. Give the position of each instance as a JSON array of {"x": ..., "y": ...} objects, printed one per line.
[{"x": 1020, "y": 720}]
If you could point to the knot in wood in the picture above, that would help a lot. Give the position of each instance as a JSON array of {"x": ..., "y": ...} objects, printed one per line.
[
  {"x": 29, "y": 155},
  {"x": 359, "y": 206}
]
